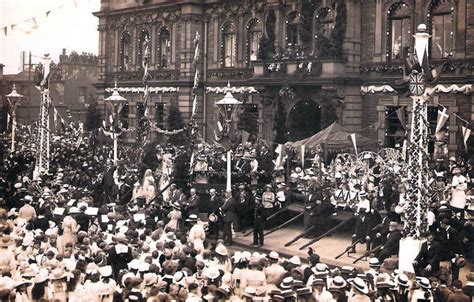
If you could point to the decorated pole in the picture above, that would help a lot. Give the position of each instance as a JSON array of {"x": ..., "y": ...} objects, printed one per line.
[
  {"x": 42, "y": 77},
  {"x": 228, "y": 186},
  {"x": 416, "y": 205},
  {"x": 115, "y": 102}
]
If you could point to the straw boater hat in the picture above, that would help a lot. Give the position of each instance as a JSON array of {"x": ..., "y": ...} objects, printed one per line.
[
  {"x": 192, "y": 218},
  {"x": 222, "y": 250},
  {"x": 22, "y": 282},
  {"x": 211, "y": 273},
  {"x": 105, "y": 271},
  {"x": 423, "y": 282},
  {"x": 42, "y": 276},
  {"x": 58, "y": 274},
  {"x": 286, "y": 283},
  {"x": 374, "y": 262},
  {"x": 359, "y": 285},
  {"x": 338, "y": 282},
  {"x": 273, "y": 256}
]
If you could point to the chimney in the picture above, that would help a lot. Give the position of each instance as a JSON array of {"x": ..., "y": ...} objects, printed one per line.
[
  {"x": 64, "y": 51},
  {"x": 1, "y": 71}
]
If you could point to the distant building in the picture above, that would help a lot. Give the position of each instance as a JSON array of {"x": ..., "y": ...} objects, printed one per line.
[
  {"x": 308, "y": 59},
  {"x": 71, "y": 89}
]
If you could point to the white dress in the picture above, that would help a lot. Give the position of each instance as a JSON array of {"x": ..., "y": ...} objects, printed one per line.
[
  {"x": 458, "y": 193},
  {"x": 197, "y": 236}
]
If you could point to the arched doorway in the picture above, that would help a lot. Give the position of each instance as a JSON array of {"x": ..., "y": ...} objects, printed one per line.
[{"x": 303, "y": 120}]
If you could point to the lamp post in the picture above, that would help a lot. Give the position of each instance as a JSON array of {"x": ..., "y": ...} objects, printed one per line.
[
  {"x": 14, "y": 99},
  {"x": 227, "y": 108},
  {"x": 115, "y": 102},
  {"x": 416, "y": 206}
]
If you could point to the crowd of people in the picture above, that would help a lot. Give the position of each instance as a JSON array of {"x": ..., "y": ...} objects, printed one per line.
[{"x": 89, "y": 230}]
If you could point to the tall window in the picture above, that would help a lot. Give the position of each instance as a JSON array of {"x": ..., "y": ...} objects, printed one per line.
[
  {"x": 143, "y": 49},
  {"x": 125, "y": 51},
  {"x": 229, "y": 47},
  {"x": 164, "y": 47},
  {"x": 398, "y": 31},
  {"x": 325, "y": 21},
  {"x": 124, "y": 114},
  {"x": 254, "y": 34},
  {"x": 82, "y": 94},
  {"x": 292, "y": 30},
  {"x": 160, "y": 114},
  {"x": 441, "y": 20}
]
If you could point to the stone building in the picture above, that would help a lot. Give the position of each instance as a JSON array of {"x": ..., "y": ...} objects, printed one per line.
[
  {"x": 309, "y": 60},
  {"x": 71, "y": 89}
]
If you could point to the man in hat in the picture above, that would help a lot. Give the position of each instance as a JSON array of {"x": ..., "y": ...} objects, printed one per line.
[
  {"x": 228, "y": 212},
  {"x": 243, "y": 208},
  {"x": 27, "y": 212},
  {"x": 378, "y": 234},
  {"x": 426, "y": 263},
  {"x": 360, "y": 291},
  {"x": 119, "y": 255},
  {"x": 391, "y": 246},
  {"x": 215, "y": 217},
  {"x": 451, "y": 246},
  {"x": 192, "y": 205},
  {"x": 321, "y": 210},
  {"x": 259, "y": 218}
]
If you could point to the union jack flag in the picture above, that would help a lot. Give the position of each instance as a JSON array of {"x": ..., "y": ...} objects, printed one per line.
[{"x": 417, "y": 83}]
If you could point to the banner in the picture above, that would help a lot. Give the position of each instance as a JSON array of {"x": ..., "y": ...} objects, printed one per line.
[
  {"x": 466, "y": 132},
  {"x": 281, "y": 151},
  {"x": 442, "y": 118}
]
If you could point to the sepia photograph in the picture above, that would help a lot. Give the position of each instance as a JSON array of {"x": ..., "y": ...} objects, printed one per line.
[{"x": 236, "y": 150}]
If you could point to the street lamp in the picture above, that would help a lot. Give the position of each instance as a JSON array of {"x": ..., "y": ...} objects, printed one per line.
[
  {"x": 227, "y": 108},
  {"x": 14, "y": 99},
  {"x": 115, "y": 102}
]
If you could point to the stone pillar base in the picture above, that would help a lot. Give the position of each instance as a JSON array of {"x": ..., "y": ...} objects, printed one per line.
[{"x": 409, "y": 249}]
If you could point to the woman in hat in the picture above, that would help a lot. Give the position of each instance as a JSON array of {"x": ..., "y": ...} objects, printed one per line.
[
  {"x": 40, "y": 290},
  {"x": 21, "y": 291},
  {"x": 70, "y": 228},
  {"x": 402, "y": 288},
  {"x": 58, "y": 285},
  {"x": 148, "y": 186},
  {"x": 175, "y": 216},
  {"x": 196, "y": 234},
  {"x": 201, "y": 167},
  {"x": 359, "y": 291},
  {"x": 7, "y": 257},
  {"x": 107, "y": 285},
  {"x": 268, "y": 200}
]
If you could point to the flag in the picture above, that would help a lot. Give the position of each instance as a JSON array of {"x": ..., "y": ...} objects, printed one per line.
[
  {"x": 442, "y": 118},
  {"x": 401, "y": 117},
  {"x": 303, "y": 150},
  {"x": 354, "y": 143},
  {"x": 79, "y": 141},
  {"x": 29, "y": 129},
  {"x": 281, "y": 151},
  {"x": 47, "y": 13},
  {"x": 466, "y": 132}
]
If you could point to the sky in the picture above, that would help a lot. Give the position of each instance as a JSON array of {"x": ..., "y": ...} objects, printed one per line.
[{"x": 69, "y": 24}]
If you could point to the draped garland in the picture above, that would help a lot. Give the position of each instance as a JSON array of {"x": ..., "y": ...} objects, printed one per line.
[{"x": 332, "y": 47}]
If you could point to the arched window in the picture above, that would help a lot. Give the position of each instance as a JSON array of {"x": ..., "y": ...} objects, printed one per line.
[
  {"x": 164, "y": 47},
  {"x": 229, "y": 45},
  {"x": 398, "y": 31},
  {"x": 292, "y": 30},
  {"x": 125, "y": 51},
  {"x": 325, "y": 21},
  {"x": 441, "y": 27},
  {"x": 143, "y": 49},
  {"x": 254, "y": 34}
]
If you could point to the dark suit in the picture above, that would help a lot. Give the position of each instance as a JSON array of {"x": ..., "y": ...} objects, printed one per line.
[
  {"x": 459, "y": 296},
  {"x": 119, "y": 261},
  {"x": 451, "y": 244},
  {"x": 214, "y": 204},
  {"x": 243, "y": 202},
  {"x": 391, "y": 246},
  {"x": 428, "y": 255},
  {"x": 193, "y": 205},
  {"x": 228, "y": 212},
  {"x": 258, "y": 224}
]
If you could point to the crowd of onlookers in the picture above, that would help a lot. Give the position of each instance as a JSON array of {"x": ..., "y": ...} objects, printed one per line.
[{"x": 91, "y": 230}]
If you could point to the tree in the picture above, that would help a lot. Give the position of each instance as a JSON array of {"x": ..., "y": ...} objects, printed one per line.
[{"x": 93, "y": 115}]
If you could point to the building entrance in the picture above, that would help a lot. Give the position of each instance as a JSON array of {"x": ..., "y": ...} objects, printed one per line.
[{"x": 303, "y": 120}]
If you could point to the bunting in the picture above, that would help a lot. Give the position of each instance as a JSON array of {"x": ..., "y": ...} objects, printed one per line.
[{"x": 354, "y": 143}]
